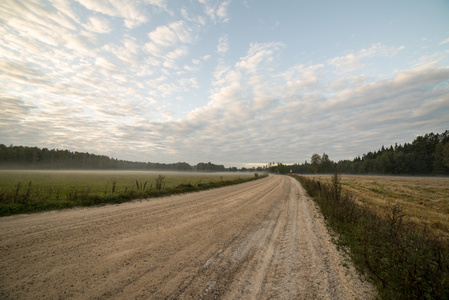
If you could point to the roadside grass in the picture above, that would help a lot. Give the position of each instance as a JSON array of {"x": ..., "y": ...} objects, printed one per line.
[
  {"x": 402, "y": 256},
  {"x": 425, "y": 200},
  {"x": 33, "y": 191}
]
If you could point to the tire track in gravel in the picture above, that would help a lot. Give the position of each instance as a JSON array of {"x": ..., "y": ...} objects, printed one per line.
[{"x": 258, "y": 240}]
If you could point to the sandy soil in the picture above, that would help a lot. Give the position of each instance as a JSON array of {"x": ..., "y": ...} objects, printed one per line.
[{"x": 259, "y": 240}]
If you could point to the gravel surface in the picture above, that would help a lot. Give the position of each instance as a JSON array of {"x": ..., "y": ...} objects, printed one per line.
[{"x": 258, "y": 240}]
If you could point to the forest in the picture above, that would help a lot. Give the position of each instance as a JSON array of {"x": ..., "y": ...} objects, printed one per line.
[
  {"x": 24, "y": 157},
  {"x": 426, "y": 155}
]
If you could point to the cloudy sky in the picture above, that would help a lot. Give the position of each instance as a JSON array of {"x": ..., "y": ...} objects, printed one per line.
[{"x": 227, "y": 81}]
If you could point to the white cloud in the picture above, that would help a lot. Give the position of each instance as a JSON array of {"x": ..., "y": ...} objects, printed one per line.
[
  {"x": 223, "y": 44},
  {"x": 260, "y": 55},
  {"x": 216, "y": 10},
  {"x": 81, "y": 42},
  {"x": 129, "y": 10},
  {"x": 70, "y": 71},
  {"x": 171, "y": 57},
  {"x": 170, "y": 35},
  {"x": 220, "y": 73},
  {"x": 98, "y": 25},
  {"x": 129, "y": 51},
  {"x": 159, "y": 3},
  {"x": 299, "y": 79},
  {"x": 164, "y": 36},
  {"x": 64, "y": 8},
  {"x": 222, "y": 11},
  {"x": 444, "y": 41},
  {"x": 351, "y": 61},
  {"x": 106, "y": 65},
  {"x": 235, "y": 117},
  {"x": 169, "y": 42}
]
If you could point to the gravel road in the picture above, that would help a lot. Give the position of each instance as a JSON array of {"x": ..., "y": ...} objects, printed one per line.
[{"x": 259, "y": 240}]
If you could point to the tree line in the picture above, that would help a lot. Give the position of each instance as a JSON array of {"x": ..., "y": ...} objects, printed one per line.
[
  {"x": 23, "y": 157},
  {"x": 426, "y": 155}
]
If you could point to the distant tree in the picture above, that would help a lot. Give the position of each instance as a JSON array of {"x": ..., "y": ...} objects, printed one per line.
[
  {"x": 445, "y": 154},
  {"x": 326, "y": 165},
  {"x": 441, "y": 163},
  {"x": 208, "y": 167},
  {"x": 315, "y": 162},
  {"x": 281, "y": 168}
]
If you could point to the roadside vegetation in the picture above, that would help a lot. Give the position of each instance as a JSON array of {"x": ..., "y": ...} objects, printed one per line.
[
  {"x": 424, "y": 200},
  {"x": 402, "y": 255},
  {"x": 33, "y": 191}
]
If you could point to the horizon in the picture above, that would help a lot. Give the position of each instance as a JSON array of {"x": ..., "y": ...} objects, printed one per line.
[
  {"x": 249, "y": 165},
  {"x": 235, "y": 83}
]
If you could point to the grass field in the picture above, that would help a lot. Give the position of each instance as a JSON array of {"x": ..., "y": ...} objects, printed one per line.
[
  {"x": 424, "y": 199},
  {"x": 27, "y": 191}
]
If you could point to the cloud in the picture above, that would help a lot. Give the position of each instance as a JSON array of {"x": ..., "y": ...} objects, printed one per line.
[
  {"x": 106, "y": 77},
  {"x": 408, "y": 87},
  {"x": 129, "y": 51},
  {"x": 159, "y": 3},
  {"x": 245, "y": 117},
  {"x": 35, "y": 22},
  {"x": 169, "y": 42},
  {"x": 260, "y": 55},
  {"x": 243, "y": 122},
  {"x": 223, "y": 44},
  {"x": 444, "y": 42},
  {"x": 351, "y": 61},
  {"x": 32, "y": 12},
  {"x": 129, "y": 10},
  {"x": 13, "y": 109},
  {"x": 25, "y": 73},
  {"x": 222, "y": 12},
  {"x": 216, "y": 10},
  {"x": 299, "y": 79},
  {"x": 64, "y": 8},
  {"x": 106, "y": 65},
  {"x": 98, "y": 25},
  {"x": 170, "y": 35}
]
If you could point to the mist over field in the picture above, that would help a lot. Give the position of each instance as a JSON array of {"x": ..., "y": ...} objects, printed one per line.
[{"x": 426, "y": 155}]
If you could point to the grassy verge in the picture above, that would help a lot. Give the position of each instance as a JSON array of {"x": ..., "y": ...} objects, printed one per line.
[
  {"x": 423, "y": 199},
  {"x": 403, "y": 260},
  {"x": 69, "y": 192}
]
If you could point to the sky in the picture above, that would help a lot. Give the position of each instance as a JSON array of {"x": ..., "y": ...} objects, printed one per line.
[{"x": 239, "y": 83}]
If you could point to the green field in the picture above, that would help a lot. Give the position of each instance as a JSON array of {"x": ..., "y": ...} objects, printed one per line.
[{"x": 28, "y": 191}]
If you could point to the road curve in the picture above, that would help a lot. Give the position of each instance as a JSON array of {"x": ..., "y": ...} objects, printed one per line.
[{"x": 259, "y": 240}]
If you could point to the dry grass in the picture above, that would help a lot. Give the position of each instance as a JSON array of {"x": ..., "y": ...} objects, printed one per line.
[{"x": 425, "y": 200}]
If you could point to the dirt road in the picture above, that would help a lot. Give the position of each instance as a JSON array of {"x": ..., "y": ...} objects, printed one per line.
[{"x": 259, "y": 240}]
